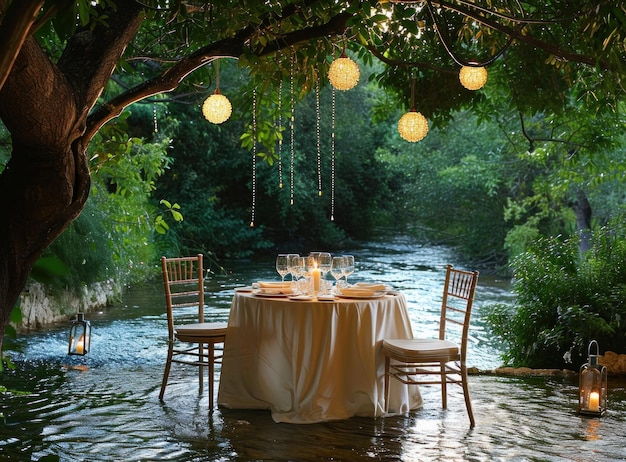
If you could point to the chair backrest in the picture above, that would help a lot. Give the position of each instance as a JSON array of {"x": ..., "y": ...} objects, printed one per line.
[
  {"x": 183, "y": 280},
  {"x": 456, "y": 306}
]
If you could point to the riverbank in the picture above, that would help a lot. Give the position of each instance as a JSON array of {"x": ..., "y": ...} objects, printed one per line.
[{"x": 43, "y": 307}]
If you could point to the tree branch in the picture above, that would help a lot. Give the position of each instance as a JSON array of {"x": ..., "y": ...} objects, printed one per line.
[
  {"x": 14, "y": 28},
  {"x": 226, "y": 48}
]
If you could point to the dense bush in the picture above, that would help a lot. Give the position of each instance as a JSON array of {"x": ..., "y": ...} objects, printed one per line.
[{"x": 564, "y": 300}]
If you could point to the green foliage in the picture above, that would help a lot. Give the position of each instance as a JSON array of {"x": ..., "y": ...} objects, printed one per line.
[
  {"x": 84, "y": 249},
  {"x": 564, "y": 300},
  {"x": 113, "y": 236}
]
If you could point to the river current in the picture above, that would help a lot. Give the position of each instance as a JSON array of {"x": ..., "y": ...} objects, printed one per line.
[{"x": 105, "y": 406}]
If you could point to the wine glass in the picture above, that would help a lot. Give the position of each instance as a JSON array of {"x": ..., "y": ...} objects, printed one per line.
[
  {"x": 282, "y": 265},
  {"x": 291, "y": 261},
  {"x": 336, "y": 268},
  {"x": 348, "y": 266},
  {"x": 324, "y": 262},
  {"x": 298, "y": 267}
]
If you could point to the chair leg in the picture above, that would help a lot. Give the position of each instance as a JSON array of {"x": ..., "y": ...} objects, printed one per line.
[
  {"x": 444, "y": 386},
  {"x": 386, "y": 382},
  {"x": 466, "y": 395},
  {"x": 211, "y": 367},
  {"x": 166, "y": 373},
  {"x": 200, "y": 368}
]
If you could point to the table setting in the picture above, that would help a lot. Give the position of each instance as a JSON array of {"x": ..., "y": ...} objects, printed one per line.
[
  {"x": 308, "y": 348},
  {"x": 308, "y": 279}
]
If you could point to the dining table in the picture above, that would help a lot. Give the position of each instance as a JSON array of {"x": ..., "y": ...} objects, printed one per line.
[{"x": 309, "y": 360}]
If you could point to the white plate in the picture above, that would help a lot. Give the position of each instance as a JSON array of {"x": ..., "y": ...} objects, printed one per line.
[
  {"x": 326, "y": 298},
  {"x": 270, "y": 295},
  {"x": 302, "y": 298},
  {"x": 243, "y": 289},
  {"x": 364, "y": 297}
]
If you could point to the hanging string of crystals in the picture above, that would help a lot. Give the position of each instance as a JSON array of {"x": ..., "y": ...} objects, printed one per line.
[
  {"x": 292, "y": 126},
  {"x": 253, "y": 208},
  {"x": 332, "y": 158},
  {"x": 154, "y": 118},
  {"x": 280, "y": 131},
  {"x": 317, "y": 132}
]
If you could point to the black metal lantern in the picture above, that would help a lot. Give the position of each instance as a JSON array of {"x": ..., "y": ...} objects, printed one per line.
[
  {"x": 80, "y": 336},
  {"x": 592, "y": 385}
]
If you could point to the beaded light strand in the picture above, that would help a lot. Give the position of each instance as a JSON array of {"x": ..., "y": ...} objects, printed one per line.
[
  {"x": 292, "y": 127},
  {"x": 253, "y": 208},
  {"x": 332, "y": 158},
  {"x": 154, "y": 118},
  {"x": 280, "y": 137},
  {"x": 317, "y": 132}
]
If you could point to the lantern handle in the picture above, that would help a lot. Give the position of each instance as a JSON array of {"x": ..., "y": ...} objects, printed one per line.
[{"x": 593, "y": 342}]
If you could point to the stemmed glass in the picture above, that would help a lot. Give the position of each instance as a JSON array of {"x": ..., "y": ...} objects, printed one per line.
[
  {"x": 348, "y": 266},
  {"x": 282, "y": 265},
  {"x": 324, "y": 262},
  {"x": 336, "y": 268},
  {"x": 298, "y": 268},
  {"x": 291, "y": 262}
]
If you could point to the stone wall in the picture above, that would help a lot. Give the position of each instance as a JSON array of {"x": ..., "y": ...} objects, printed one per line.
[{"x": 42, "y": 307}]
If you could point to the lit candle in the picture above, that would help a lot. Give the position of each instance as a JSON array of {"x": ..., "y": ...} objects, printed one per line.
[
  {"x": 594, "y": 401},
  {"x": 316, "y": 277},
  {"x": 80, "y": 345}
]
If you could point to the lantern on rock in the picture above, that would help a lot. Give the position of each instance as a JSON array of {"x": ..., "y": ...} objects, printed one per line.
[
  {"x": 80, "y": 336},
  {"x": 473, "y": 77},
  {"x": 592, "y": 385}
]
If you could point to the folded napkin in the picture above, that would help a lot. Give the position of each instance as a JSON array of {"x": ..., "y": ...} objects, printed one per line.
[
  {"x": 276, "y": 290},
  {"x": 357, "y": 292},
  {"x": 275, "y": 284},
  {"x": 370, "y": 286}
]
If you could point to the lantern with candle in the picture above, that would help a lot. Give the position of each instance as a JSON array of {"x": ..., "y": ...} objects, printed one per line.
[
  {"x": 80, "y": 336},
  {"x": 592, "y": 384}
]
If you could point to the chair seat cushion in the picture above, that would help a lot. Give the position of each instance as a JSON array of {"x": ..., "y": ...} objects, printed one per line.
[
  {"x": 202, "y": 329},
  {"x": 420, "y": 349}
]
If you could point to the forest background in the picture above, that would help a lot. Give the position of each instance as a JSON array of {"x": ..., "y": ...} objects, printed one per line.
[{"x": 498, "y": 180}]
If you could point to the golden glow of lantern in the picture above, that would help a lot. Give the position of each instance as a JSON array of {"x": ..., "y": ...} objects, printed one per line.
[
  {"x": 473, "y": 77},
  {"x": 216, "y": 108},
  {"x": 80, "y": 336},
  {"x": 343, "y": 73},
  {"x": 592, "y": 386},
  {"x": 413, "y": 126}
]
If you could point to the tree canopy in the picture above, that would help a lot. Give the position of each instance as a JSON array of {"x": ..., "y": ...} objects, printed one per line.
[{"x": 60, "y": 64}]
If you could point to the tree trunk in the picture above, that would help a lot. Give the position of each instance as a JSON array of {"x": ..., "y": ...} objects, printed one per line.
[
  {"x": 582, "y": 210},
  {"x": 45, "y": 106}
]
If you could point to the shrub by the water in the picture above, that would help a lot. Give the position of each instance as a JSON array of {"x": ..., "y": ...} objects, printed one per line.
[{"x": 565, "y": 299}]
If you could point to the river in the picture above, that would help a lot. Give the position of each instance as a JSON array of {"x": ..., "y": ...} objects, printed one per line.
[{"x": 105, "y": 407}]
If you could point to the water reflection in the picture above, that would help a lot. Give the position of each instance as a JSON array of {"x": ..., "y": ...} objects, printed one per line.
[{"x": 105, "y": 407}]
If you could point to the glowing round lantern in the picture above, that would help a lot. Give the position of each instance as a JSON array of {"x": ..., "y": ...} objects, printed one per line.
[
  {"x": 413, "y": 126},
  {"x": 473, "y": 77},
  {"x": 216, "y": 108},
  {"x": 343, "y": 73}
]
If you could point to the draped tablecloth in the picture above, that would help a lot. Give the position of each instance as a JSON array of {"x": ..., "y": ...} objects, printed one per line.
[{"x": 313, "y": 361}]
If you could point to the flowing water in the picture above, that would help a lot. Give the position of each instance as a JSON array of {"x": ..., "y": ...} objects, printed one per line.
[{"x": 105, "y": 406}]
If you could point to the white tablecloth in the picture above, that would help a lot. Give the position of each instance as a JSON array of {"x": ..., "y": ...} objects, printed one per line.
[{"x": 310, "y": 361}]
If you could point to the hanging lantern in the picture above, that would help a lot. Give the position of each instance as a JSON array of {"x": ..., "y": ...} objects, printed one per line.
[
  {"x": 216, "y": 108},
  {"x": 592, "y": 385},
  {"x": 413, "y": 126},
  {"x": 80, "y": 336},
  {"x": 343, "y": 73},
  {"x": 473, "y": 77}
]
